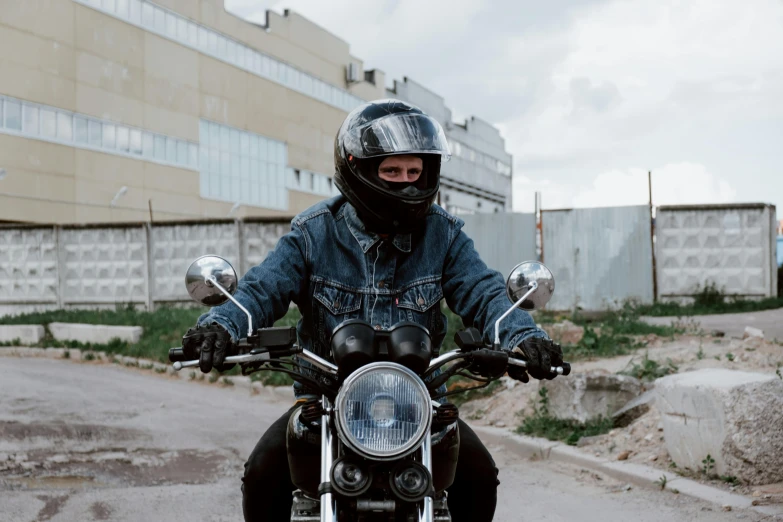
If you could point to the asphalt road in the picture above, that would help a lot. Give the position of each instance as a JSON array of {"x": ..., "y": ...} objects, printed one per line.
[
  {"x": 81, "y": 442},
  {"x": 733, "y": 325}
]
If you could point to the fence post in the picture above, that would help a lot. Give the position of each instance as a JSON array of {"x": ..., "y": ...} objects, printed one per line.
[
  {"x": 240, "y": 224},
  {"x": 652, "y": 239},
  {"x": 57, "y": 268},
  {"x": 148, "y": 273}
]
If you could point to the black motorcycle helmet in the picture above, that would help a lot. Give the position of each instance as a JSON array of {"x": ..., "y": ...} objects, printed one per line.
[{"x": 372, "y": 132}]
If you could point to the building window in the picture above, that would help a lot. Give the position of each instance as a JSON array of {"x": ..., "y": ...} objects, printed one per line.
[
  {"x": 33, "y": 120},
  {"x": 240, "y": 166},
  {"x": 208, "y": 41}
]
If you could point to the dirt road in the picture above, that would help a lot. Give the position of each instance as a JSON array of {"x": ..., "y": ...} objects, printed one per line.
[{"x": 82, "y": 442}]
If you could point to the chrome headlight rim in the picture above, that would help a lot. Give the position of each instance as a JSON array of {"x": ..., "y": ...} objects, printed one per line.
[{"x": 344, "y": 433}]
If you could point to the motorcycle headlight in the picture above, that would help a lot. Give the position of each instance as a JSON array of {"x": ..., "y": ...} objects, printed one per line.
[{"x": 383, "y": 411}]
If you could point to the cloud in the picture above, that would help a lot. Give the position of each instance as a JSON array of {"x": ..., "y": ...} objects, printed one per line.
[
  {"x": 673, "y": 184},
  {"x": 585, "y": 90}
]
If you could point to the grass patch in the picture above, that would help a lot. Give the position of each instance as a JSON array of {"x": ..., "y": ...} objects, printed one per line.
[
  {"x": 543, "y": 424},
  {"x": 710, "y": 299},
  {"x": 615, "y": 334},
  {"x": 649, "y": 370},
  {"x": 163, "y": 328}
]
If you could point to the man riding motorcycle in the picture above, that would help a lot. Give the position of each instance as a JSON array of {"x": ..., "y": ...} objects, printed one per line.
[{"x": 382, "y": 252}]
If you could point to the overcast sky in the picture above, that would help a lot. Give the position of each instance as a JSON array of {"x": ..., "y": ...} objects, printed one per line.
[{"x": 590, "y": 94}]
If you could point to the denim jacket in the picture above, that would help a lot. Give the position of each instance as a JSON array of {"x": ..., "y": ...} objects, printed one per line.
[{"x": 335, "y": 269}]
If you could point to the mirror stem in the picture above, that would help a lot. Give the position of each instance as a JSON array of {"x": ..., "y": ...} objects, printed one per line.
[
  {"x": 533, "y": 288},
  {"x": 211, "y": 280}
]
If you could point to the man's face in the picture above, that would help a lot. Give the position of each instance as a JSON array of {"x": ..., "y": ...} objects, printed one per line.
[{"x": 400, "y": 169}]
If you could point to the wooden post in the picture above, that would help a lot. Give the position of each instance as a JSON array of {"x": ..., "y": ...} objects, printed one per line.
[{"x": 652, "y": 238}]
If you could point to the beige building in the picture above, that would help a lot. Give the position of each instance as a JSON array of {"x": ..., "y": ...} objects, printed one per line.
[{"x": 119, "y": 110}]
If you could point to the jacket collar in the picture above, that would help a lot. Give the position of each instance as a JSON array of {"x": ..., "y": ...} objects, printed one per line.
[{"x": 366, "y": 238}]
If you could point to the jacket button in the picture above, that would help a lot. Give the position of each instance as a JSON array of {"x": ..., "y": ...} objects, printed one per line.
[
  {"x": 337, "y": 304},
  {"x": 377, "y": 327},
  {"x": 421, "y": 301},
  {"x": 380, "y": 284}
]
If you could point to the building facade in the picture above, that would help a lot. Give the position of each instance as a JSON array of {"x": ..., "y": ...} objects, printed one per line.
[{"x": 131, "y": 110}]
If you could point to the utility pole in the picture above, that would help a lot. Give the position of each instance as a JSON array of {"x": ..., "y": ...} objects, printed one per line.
[{"x": 652, "y": 238}]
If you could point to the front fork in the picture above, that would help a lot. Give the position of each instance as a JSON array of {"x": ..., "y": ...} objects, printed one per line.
[{"x": 328, "y": 447}]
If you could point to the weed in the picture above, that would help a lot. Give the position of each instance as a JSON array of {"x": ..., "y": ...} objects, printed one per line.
[
  {"x": 147, "y": 366},
  {"x": 192, "y": 375},
  {"x": 649, "y": 370},
  {"x": 778, "y": 373},
  {"x": 700, "y": 353},
  {"x": 708, "y": 464},
  {"x": 730, "y": 357},
  {"x": 227, "y": 381},
  {"x": 67, "y": 354},
  {"x": 89, "y": 356},
  {"x": 717, "y": 357},
  {"x": 729, "y": 479},
  {"x": 612, "y": 447},
  {"x": 614, "y": 335},
  {"x": 672, "y": 464},
  {"x": 160, "y": 369},
  {"x": 709, "y": 299},
  {"x": 213, "y": 377},
  {"x": 662, "y": 482},
  {"x": 542, "y": 424},
  {"x": 675, "y": 491}
]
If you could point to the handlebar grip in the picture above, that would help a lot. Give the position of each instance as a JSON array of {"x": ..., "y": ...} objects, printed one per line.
[
  {"x": 566, "y": 368},
  {"x": 176, "y": 354}
]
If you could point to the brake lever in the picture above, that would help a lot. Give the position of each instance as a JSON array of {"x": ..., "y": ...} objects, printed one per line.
[{"x": 248, "y": 357}]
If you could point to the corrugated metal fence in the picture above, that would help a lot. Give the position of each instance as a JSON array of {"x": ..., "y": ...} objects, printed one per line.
[{"x": 600, "y": 257}]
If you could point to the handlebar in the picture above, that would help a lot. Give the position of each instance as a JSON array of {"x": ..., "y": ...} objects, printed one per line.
[
  {"x": 565, "y": 369},
  {"x": 256, "y": 355}
]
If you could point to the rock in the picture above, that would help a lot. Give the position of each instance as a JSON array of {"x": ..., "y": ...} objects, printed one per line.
[
  {"x": 566, "y": 332},
  {"x": 648, "y": 437},
  {"x": 718, "y": 333},
  {"x": 633, "y": 409},
  {"x": 95, "y": 333},
  {"x": 726, "y": 507},
  {"x": 624, "y": 455},
  {"x": 652, "y": 458},
  {"x": 25, "y": 333},
  {"x": 586, "y": 441},
  {"x": 500, "y": 424},
  {"x": 752, "y": 332},
  {"x": 585, "y": 396},
  {"x": 627, "y": 487},
  {"x": 735, "y": 417}
]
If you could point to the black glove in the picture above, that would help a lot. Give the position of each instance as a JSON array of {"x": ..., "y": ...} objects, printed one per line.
[
  {"x": 540, "y": 355},
  {"x": 210, "y": 344}
]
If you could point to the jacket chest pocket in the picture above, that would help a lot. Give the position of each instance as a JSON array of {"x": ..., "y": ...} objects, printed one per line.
[
  {"x": 419, "y": 304},
  {"x": 335, "y": 305}
]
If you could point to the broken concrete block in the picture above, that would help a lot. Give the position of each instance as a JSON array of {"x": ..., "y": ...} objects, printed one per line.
[
  {"x": 26, "y": 333},
  {"x": 735, "y": 417},
  {"x": 585, "y": 396},
  {"x": 752, "y": 332},
  {"x": 633, "y": 409},
  {"x": 95, "y": 333}
]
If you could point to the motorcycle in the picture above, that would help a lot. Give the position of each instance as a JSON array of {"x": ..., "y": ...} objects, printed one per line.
[{"x": 385, "y": 441}]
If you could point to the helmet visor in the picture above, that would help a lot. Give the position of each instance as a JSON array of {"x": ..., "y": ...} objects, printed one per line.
[{"x": 398, "y": 134}]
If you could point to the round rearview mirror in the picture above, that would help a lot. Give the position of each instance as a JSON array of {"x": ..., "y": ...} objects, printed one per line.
[
  {"x": 200, "y": 286},
  {"x": 518, "y": 284}
]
